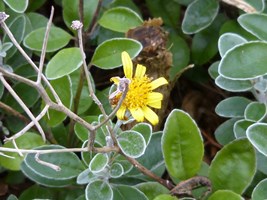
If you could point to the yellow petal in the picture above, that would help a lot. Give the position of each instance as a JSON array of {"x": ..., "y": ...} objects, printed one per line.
[
  {"x": 140, "y": 71},
  {"x": 137, "y": 114},
  {"x": 154, "y": 96},
  {"x": 158, "y": 82},
  {"x": 154, "y": 100},
  {"x": 150, "y": 115},
  {"x": 127, "y": 65},
  {"x": 115, "y": 79},
  {"x": 121, "y": 113}
]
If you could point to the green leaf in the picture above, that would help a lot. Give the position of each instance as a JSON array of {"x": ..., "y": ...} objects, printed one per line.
[
  {"x": 28, "y": 140},
  {"x": 98, "y": 190},
  {"x": 125, "y": 192},
  {"x": 116, "y": 170},
  {"x": 18, "y": 28},
  {"x": 57, "y": 39},
  {"x": 28, "y": 172},
  {"x": 108, "y": 54},
  {"x": 18, "y": 6},
  {"x": 98, "y": 163},
  {"x": 233, "y": 85},
  {"x": 37, "y": 20},
  {"x": 182, "y": 145},
  {"x": 86, "y": 177},
  {"x": 169, "y": 11},
  {"x": 257, "y": 135},
  {"x": 255, "y": 111},
  {"x": 71, "y": 11},
  {"x": 196, "y": 16},
  {"x": 225, "y": 194},
  {"x": 235, "y": 161},
  {"x": 123, "y": 19},
  {"x": 213, "y": 70},
  {"x": 180, "y": 54},
  {"x": 81, "y": 132},
  {"x": 228, "y": 41},
  {"x": 255, "y": 23},
  {"x": 126, "y": 165},
  {"x": 68, "y": 162},
  {"x": 204, "y": 44},
  {"x": 144, "y": 129},
  {"x": 232, "y": 107},
  {"x": 259, "y": 191},
  {"x": 165, "y": 197},
  {"x": 224, "y": 133},
  {"x": 152, "y": 158},
  {"x": 152, "y": 189},
  {"x": 246, "y": 61},
  {"x": 27, "y": 94},
  {"x": 240, "y": 128},
  {"x": 63, "y": 63},
  {"x": 62, "y": 87},
  {"x": 132, "y": 143}
]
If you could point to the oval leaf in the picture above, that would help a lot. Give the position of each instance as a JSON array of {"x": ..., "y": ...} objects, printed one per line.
[
  {"x": 224, "y": 172},
  {"x": 232, "y": 107},
  {"x": 98, "y": 190},
  {"x": 132, "y": 143},
  {"x": 233, "y": 85},
  {"x": 123, "y": 19},
  {"x": 225, "y": 194},
  {"x": 255, "y": 111},
  {"x": 255, "y": 23},
  {"x": 144, "y": 129},
  {"x": 86, "y": 177},
  {"x": 63, "y": 63},
  {"x": 257, "y": 135},
  {"x": 228, "y": 41},
  {"x": 69, "y": 164},
  {"x": 28, "y": 140},
  {"x": 182, "y": 145},
  {"x": 196, "y": 16},
  {"x": 116, "y": 170},
  {"x": 57, "y": 39},
  {"x": 259, "y": 191},
  {"x": 246, "y": 61},
  {"x": 125, "y": 192},
  {"x": 18, "y": 6},
  {"x": 224, "y": 133},
  {"x": 152, "y": 189},
  {"x": 240, "y": 128},
  {"x": 108, "y": 54},
  {"x": 99, "y": 162}
]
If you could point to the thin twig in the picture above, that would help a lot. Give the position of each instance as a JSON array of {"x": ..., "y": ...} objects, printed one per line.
[
  {"x": 31, "y": 124},
  {"x": 25, "y": 55},
  {"x": 11, "y": 111},
  {"x": 241, "y": 4},
  {"x": 21, "y": 103},
  {"x": 16, "y": 147},
  {"x": 148, "y": 173},
  {"x": 42, "y": 58},
  {"x": 46, "y": 151},
  {"x": 50, "y": 165}
]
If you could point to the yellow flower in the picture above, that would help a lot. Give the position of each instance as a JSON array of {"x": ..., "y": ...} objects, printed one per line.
[{"x": 140, "y": 95}]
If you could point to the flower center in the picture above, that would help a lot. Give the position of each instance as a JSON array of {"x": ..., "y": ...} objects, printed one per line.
[{"x": 137, "y": 94}]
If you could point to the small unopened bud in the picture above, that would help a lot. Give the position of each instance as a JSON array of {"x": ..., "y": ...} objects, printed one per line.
[
  {"x": 76, "y": 24},
  {"x": 123, "y": 84},
  {"x": 3, "y": 16}
]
